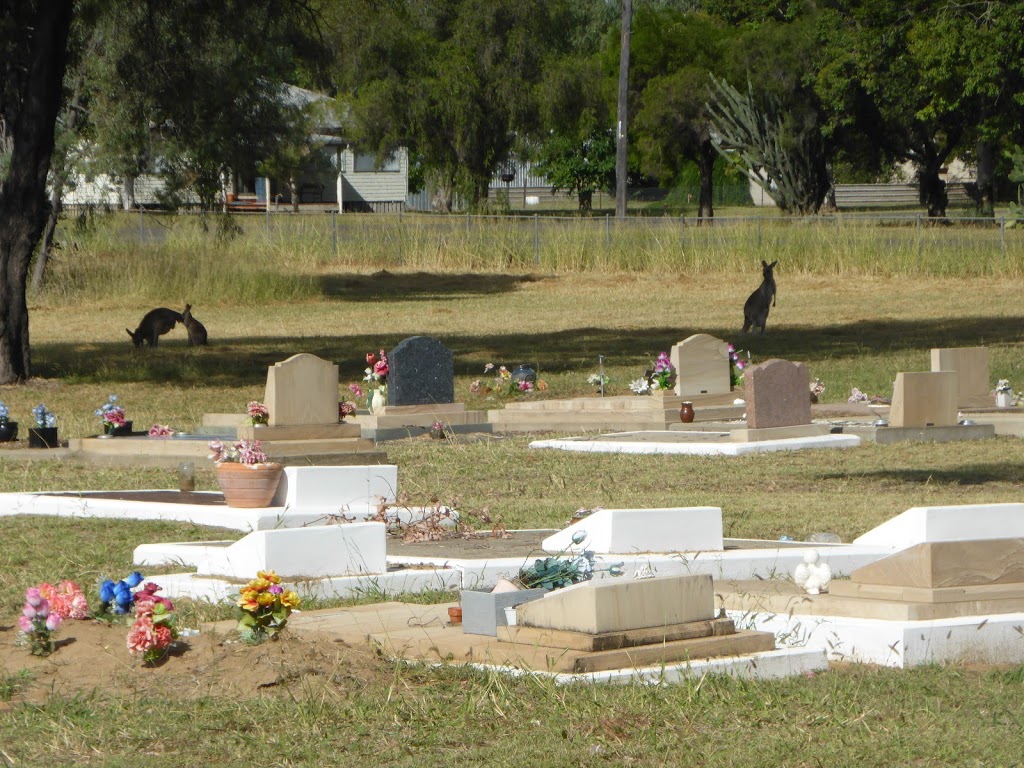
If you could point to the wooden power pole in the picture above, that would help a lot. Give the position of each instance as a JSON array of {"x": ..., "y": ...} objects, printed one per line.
[{"x": 621, "y": 142}]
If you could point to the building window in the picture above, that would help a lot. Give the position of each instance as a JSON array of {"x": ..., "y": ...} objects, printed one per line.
[{"x": 367, "y": 163}]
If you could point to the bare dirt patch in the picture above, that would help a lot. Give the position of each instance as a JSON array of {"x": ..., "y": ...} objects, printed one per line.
[{"x": 92, "y": 657}]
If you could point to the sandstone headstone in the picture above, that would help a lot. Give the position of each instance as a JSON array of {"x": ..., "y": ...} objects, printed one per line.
[
  {"x": 939, "y": 564},
  {"x": 702, "y": 366},
  {"x": 302, "y": 390},
  {"x": 421, "y": 371},
  {"x": 971, "y": 367},
  {"x": 777, "y": 395},
  {"x": 923, "y": 399}
]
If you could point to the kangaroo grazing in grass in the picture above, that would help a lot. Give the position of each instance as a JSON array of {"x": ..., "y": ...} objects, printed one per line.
[
  {"x": 755, "y": 310},
  {"x": 196, "y": 330},
  {"x": 154, "y": 324}
]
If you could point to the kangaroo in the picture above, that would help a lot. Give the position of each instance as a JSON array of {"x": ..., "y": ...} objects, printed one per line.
[
  {"x": 154, "y": 324},
  {"x": 755, "y": 310},
  {"x": 196, "y": 330}
]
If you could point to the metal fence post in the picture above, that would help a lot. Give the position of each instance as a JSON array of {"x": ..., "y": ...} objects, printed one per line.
[
  {"x": 607, "y": 231},
  {"x": 536, "y": 239},
  {"x": 918, "y": 227},
  {"x": 758, "y": 231},
  {"x": 334, "y": 233},
  {"x": 1002, "y": 238}
]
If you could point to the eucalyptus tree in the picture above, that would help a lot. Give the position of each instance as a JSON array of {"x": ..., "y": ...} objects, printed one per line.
[
  {"x": 192, "y": 83},
  {"x": 452, "y": 81},
  {"x": 925, "y": 81}
]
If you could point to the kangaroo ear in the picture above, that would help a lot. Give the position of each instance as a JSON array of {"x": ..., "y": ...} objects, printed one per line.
[
  {"x": 764, "y": 263},
  {"x": 772, "y": 265},
  {"x": 130, "y": 333}
]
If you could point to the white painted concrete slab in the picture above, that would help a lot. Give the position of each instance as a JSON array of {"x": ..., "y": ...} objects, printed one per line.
[
  {"x": 988, "y": 639},
  {"x": 337, "y": 490},
  {"x": 381, "y": 585},
  {"x": 587, "y": 445},
  {"x": 950, "y": 523},
  {"x": 766, "y": 665},
  {"x": 669, "y": 529}
]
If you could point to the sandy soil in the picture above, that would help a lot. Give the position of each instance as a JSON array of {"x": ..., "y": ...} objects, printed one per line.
[{"x": 92, "y": 656}]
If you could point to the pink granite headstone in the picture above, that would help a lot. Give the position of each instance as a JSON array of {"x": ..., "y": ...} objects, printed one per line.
[{"x": 777, "y": 395}]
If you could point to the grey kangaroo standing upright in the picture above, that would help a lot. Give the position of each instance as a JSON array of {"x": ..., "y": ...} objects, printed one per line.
[
  {"x": 153, "y": 325},
  {"x": 755, "y": 311},
  {"x": 196, "y": 330}
]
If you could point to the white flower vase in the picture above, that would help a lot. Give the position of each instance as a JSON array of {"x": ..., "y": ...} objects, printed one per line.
[
  {"x": 1004, "y": 399},
  {"x": 376, "y": 400}
]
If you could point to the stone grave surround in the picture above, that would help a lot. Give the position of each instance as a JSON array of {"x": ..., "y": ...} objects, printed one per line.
[
  {"x": 421, "y": 371},
  {"x": 924, "y": 399},
  {"x": 421, "y": 390},
  {"x": 778, "y": 403},
  {"x": 971, "y": 367},
  {"x": 702, "y": 369}
]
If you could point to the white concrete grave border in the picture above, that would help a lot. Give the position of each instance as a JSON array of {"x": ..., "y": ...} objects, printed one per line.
[{"x": 590, "y": 445}]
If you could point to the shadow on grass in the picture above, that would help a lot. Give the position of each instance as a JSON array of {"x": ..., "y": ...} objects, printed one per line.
[
  {"x": 419, "y": 286},
  {"x": 244, "y": 361},
  {"x": 971, "y": 474}
]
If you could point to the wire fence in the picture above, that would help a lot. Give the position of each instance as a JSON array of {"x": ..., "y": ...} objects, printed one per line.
[{"x": 865, "y": 243}]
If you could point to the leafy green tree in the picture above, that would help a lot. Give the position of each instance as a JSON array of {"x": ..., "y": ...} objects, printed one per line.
[
  {"x": 581, "y": 168},
  {"x": 453, "y": 82}
]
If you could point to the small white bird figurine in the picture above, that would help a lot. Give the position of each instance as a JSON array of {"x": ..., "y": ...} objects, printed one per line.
[{"x": 812, "y": 575}]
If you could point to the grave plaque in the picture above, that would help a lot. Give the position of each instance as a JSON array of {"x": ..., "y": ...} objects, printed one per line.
[
  {"x": 702, "y": 366},
  {"x": 923, "y": 399},
  {"x": 420, "y": 372},
  {"x": 302, "y": 390},
  {"x": 777, "y": 395},
  {"x": 971, "y": 367}
]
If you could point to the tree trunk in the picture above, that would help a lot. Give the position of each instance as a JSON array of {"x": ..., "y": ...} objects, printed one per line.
[
  {"x": 56, "y": 206},
  {"x": 622, "y": 112},
  {"x": 706, "y": 154},
  {"x": 23, "y": 191},
  {"x": 931, "y": 187},
  {"x": 128, "y": 193},
  {"x": 586, "y": 200},
  {"x": 985, "y": 191},
  {"x": 293, "y": 190}
]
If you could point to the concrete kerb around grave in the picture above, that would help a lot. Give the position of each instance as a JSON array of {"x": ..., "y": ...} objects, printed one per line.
[{"x": 674, "y": 442}]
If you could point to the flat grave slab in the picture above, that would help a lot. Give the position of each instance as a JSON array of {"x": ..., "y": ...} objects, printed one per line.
[{"x": 691, "y": 443}]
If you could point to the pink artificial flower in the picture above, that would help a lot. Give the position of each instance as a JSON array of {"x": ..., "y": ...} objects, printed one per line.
[
  {"x": 380, "y": 368},
  {"x": 33, "y": 597},
  {"x": 66, "y": 600},
  {"x": 474, "y": 388},
  {"x": 52, "y": 622},
  {"x": 25, "y": 624},
  {"x": 525, "y": 386},
  {"x": 140, "y": 636},
  {"x": 162, "y": 636},
  {"x": 160, "y": 430},
  {"x": 28, "y": 612},
  {"x": 356, "y": 390},
  {"x": 370, "y": 358},
  {"x": 275, "y": 589}
]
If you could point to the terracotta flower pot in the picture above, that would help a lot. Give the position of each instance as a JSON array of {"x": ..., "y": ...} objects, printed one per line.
[{"x": 248, "y": 485}]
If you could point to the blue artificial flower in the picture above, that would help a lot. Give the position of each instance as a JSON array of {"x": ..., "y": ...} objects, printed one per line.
[
  {"x": 134, "y": 579},
  {"x": 107, "y": 591}
]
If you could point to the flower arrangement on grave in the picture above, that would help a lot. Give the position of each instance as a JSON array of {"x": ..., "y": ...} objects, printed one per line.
[
  {"x": 346, "y": 408},
  {"x": 376, "y": 370},
  {"x": 117, "y": 597},
  {"x": 160, "y": 430},
  {"x": 736, "y": 366},
  {"x": 111, "y": 415},
  {"x": 437, "y": 430},
  {"x": 247, "y": 452},
  {"x": 257, "y": 414},
  {"x": 44, "y": 418},
  {"x": 599, "y": 380},
  {"x": 659, "y": 378},
  {"x": 265, "y": 607},
  {"x": 565, "y": 568},
  {"x": 817, "y": 388},
  {"x": 66, "y": 599},
  {"x": 1003, "y": 387},
  {"x": 856, "y": 396},
  {"x": 154, "y": 629},
  {"x": 506, "y": 382},
  {"x": 38, "y": 623},
  {"x": 4, "y": 414}
]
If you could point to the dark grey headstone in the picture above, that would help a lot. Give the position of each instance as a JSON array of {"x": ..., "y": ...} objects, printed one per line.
[{"x": 421, "y": 371}]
